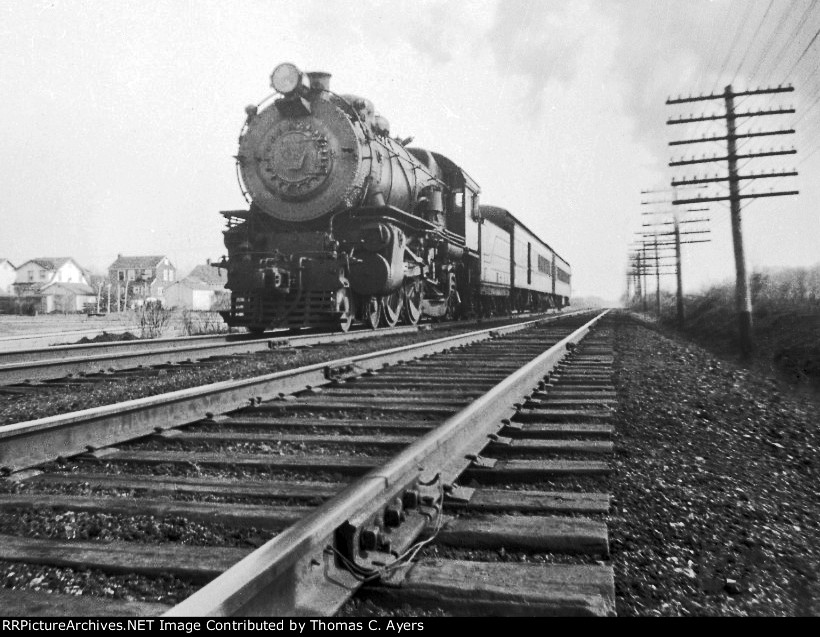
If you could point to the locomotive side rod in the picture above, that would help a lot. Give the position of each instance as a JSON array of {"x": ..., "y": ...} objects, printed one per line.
[
  {"x": 25, "y": 444},
  {"x": 298, "y": 574}
]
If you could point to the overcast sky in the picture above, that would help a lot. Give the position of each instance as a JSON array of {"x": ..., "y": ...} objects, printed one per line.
[{"x": 119, "y": 120}]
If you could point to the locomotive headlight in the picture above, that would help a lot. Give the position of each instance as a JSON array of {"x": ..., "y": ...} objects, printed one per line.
[{"x": 286, "y": 78}]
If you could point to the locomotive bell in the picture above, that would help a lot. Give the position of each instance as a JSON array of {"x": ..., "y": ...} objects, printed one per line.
[{"x": 319, "y": 80}]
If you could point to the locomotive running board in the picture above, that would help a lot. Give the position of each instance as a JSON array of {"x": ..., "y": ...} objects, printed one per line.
[{"x": 399, "y": 216}]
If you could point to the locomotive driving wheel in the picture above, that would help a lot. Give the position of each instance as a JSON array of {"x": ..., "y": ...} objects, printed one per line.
[
  {"x": 344, "y": 309},
  {"x": 412, "y": 301},
  {"x": 372, "y": 312},
  {"x": 391, "y": 308}
]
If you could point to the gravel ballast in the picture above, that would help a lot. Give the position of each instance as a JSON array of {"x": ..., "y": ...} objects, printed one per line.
[{"x": 716, "y": 506}]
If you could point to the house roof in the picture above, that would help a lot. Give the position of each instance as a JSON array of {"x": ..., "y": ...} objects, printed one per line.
[
  {"x": 209, "y": 275},
  {"x": 4, "y": 260},
  {"x": 51, "y": 263},
  {"x": 73, "y": 288},
  {"x": 135, "y": 263}
]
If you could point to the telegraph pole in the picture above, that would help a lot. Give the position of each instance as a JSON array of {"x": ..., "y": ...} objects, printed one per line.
[
  {"x": 675, "y": 233},
  {"x": 657, "y": 280},
  {"x": 643, "y": 274},
  {"x": 743, "y": 300},
  {"x": 679, "y": 272}
]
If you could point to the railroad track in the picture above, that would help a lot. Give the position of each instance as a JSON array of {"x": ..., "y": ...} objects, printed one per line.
[
  {"x": 333, "y": 480},
  {"x": 30, "y": 368},
  {"x": 99, "y": 359}
]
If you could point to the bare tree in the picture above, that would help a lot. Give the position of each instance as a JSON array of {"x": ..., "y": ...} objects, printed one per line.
[{"x": 153, "y": 318}]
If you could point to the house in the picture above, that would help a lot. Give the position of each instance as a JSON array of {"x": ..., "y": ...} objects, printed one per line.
[
  {"x": 135, "y": 280},
  {"x": 8, "y": 275},
  {"x": 66, "y": 297},
  {"x": 202, "y": 289},
  {"x": 35, "y": 274},
  {"x": 51, "y": 284}
]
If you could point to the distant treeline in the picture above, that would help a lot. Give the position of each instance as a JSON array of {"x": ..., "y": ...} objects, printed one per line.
[{"x": 786, "y": 317}]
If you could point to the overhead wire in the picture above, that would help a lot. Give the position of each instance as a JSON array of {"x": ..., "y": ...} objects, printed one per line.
[
  {"x": 777, "y": 29},
  {"x": 803, "y": 54},
  {"x": 752, "y": 40},
  {"x": 789, "y": 42},
  {"x": 735, "y": 40}
]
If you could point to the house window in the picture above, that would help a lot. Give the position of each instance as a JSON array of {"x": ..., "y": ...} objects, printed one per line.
[
  {"x": 121, "y": 275},
  {"x": 42, "y": 275},
  {"x": 31, "y": 275}
]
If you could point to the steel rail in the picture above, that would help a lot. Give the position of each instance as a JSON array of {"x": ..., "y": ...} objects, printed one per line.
[
  {"x": 25, "y": 444},
  {"x": 85, "y": 359},
  {"x": 297, "y": 573},
  {"x": 47, "y": 363},
  {"x": 93, "y": 349}
]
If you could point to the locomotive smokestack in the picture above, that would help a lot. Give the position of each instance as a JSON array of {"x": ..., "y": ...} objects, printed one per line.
[{"x": 319, "y": 81}]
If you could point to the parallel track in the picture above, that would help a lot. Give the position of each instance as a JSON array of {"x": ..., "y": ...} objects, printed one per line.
[
  {"x": 299, "y": 450},
  {"x": 79, "y": 360}
]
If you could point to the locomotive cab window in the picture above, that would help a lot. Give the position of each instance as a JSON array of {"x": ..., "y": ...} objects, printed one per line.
[{"x": 458, "y": 200}]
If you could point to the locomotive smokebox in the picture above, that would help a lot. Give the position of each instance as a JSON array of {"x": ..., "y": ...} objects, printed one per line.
[
  {"x": 312, "y": 153},
  {"x": 319, "y": 80}
]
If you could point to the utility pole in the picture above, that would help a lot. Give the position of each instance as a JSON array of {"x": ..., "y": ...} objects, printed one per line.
[
  {"x": 628, "y": 287},
  {"x": 643, "y": 274},
  {"x": 679, "y": 271},
  {"x": 743, "y": 299},
  {"x": 676, "y": 233},
  {"x": 657, "y": 280}
]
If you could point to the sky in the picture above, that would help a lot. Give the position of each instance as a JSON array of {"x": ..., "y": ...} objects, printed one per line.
[{"x": 120, "y": 120}]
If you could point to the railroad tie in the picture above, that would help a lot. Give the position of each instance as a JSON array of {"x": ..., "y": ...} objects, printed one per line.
[{"x": 560, "y": 435}]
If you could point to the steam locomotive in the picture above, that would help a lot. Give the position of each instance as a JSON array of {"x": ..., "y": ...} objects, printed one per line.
[{"x": 349, "y": 225}]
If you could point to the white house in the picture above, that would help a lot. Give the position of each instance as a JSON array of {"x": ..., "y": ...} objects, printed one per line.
[
  {"x": 201, "y": 290},
  {"x": 66, "y": 297},
  {"x": 35, "y": 274},
  {"x": 8, "y": 275}
]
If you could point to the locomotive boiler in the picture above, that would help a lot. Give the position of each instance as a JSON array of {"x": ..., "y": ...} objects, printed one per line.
[{"x": 348, "y": 224}]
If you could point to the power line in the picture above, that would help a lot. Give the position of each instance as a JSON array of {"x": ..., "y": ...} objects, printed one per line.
[
  {"x": 777, "y": 29},
  {"x": 792, "y": 39},
  {"x": 735, "y": 40},
  {"x": 806, "y": 50},
  {"x": 753, "y": 39}
]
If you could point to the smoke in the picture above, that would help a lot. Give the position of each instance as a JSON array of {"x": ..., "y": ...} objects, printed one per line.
[
  {"x": 540, "y": 41},
  {"x": 641, "y": 50}
]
